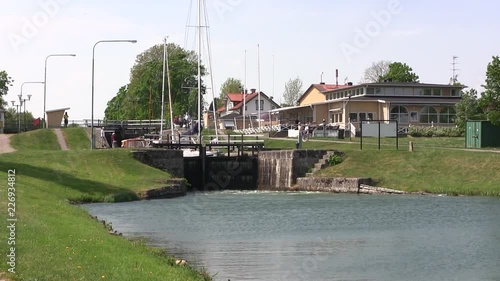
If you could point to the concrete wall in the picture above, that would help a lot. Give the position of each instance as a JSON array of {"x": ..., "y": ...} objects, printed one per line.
[
  {"x": 174, "y": 188},
  {"x": 171, "y": 161},
  {"x": 336, "y": 185},
  {"x": 279, "y": 170}
]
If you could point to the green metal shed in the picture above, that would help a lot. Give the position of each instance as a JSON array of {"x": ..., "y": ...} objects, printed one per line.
[{"x": 479, "y": 134}]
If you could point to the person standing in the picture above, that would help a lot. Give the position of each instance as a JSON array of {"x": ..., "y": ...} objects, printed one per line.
[
  {"x": 114, "y": 140},
  {"x": 104, "y": 142},
  {"x": 65, "y": 119}
]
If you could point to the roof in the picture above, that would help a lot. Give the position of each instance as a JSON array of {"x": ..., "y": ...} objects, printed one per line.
[
  {"x": 398, "y": 85},
  {"x": 322, "y": 88},
  {"x": 248, "y": 98},
  {"x": 55, "y": 110},
  {"x": 235, "y": 97}
]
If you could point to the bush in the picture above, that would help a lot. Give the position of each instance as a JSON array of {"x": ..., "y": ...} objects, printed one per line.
[
  {"x": 334, "y": 159},
  {"x": 435, "y": 132}
]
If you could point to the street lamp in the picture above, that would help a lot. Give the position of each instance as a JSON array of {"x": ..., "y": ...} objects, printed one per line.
[
  {"x": 92, "y": 137},
  {"x": 18, "y": 108},
  {"x": 45, "y": 82},
  {"x": 29, "y": 98}
]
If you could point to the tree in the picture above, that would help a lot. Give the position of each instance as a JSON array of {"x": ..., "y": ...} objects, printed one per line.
[
  {"x": 400, "y": 72},
  {"x": 231, "y": 85},
  {"x": 141, "y": 98},
  {"x": 293, "y": 89},
  {"x": 5, "y": 82},
  {"x": 376, "y": 72},
  {"x": 490, "y": 99},
  {"x": 468, "y": 108}
]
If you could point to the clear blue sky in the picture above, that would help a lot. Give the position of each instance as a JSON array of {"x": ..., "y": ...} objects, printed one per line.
[{"x": 306, "y": 38}]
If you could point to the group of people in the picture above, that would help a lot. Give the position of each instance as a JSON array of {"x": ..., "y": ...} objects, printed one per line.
[
  {"x": 104, "y": 140},
  {"x": 183, "y": 122}
]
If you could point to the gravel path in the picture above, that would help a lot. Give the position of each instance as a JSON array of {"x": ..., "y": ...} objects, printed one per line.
[
  {"x": 60, "y": 139},
  {"x": 5, "y": 144}
]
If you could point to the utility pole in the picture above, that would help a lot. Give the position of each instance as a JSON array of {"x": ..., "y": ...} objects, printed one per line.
[{"x": 454, "y": 73}]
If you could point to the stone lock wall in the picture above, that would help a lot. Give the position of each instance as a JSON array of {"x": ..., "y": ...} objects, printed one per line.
[
  {"x": 171, "y": 161},
  {"x": 279, "y": 170}
]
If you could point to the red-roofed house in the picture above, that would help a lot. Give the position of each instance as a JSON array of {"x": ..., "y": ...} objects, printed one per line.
[{"x": 234, "y": 105}]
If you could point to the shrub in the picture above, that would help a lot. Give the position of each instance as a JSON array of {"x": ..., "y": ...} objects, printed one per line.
[
  {"x": 428, "y": 132},
  {"x": 334, "y": 159}
]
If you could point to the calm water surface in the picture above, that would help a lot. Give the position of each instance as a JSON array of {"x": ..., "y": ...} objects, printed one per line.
[{"x": 299, "y": 236}]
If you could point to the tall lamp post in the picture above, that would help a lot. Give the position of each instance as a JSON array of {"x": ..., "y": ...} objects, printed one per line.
[
  {"x": 45, "y": 84},
  {"x": 92, "y": 137},
  {"x": 18, "y": 108},
  {"x": 29, "y": 98},
  {"x": 23, "y": 102}
]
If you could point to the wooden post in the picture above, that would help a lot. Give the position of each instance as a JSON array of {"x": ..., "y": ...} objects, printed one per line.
[{"x": 410, "y": 146}]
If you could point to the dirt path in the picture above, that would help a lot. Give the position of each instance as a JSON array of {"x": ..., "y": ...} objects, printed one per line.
[
  {"x": 5, "y": 144},
  {"x": 60, "y": 139}
]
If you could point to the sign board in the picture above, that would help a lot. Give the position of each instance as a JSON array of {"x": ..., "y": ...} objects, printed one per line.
[{"x": 386, "y": 129}]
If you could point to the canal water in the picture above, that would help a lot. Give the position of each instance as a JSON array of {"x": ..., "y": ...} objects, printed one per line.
[{"x": 311, "y": 236}]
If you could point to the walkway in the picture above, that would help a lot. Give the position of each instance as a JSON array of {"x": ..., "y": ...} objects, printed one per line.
[
  {"x": 60, "y": 139},
  {"x": 5, "y": 144}
]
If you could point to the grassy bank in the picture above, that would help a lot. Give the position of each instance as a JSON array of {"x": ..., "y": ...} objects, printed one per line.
[
  {"x": 59, "y": 241},
  {"x": 430, "y": 169},
  {"x": 35, "y": 140},
  {"x": 76, "y": 138}
]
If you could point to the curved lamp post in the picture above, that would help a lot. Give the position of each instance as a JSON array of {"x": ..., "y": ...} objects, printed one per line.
[
  {"x": 45, "y": 83},
  {"x": 92, "y": 137}
]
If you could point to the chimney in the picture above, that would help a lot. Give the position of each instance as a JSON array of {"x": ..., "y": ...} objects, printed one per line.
[
  {"x": 253, "y": 91},
  {"x": 246, "y": 91},
  {"x": 337, "y": 77}
]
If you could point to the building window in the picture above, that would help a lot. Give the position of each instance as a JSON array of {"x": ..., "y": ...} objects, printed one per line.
[
  {"x": 400, "y": 113},
  {"x": 447, "y": 115},
  {"x": 428, "y": 115},
  {"x": 427, "y": 92},
  {"x": 455, "y": 92},
  {"x": 353, "y": 117},
  {"x": 378, "y": 91},
  {"x": 436, "y": 92},
  {"x": 414, "y": 116},
  {"x": 370, "y": 91},
  {"x": 370, "y": 116},
  {"x": 261, "y": 105}
]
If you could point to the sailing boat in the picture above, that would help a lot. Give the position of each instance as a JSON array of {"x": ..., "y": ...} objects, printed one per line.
[{"x": 202, "y": 4}]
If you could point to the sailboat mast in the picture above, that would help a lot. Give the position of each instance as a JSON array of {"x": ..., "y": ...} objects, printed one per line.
[
  {"x": 258, "y": 74},
  {"x": 245, "y": 92},
  {"x": 163, "y": 88},
  {"x": 199, "y": 71},
  {"x": 169, "y": 92}
]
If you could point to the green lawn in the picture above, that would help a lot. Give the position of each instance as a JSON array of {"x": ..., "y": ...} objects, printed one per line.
[
  {"x": 35, "y": 140},
  {"x": 76, "y": 138},
  {"x": 59, "y": 241},
  {"x": 437, "y": 170}
]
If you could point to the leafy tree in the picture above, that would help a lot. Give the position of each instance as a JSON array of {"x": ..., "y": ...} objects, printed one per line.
[
  {"x": 12, "y": 119},
  {"x": 293, "y": 89},
  {"x": 468, "y": 108},
  {"x": 231, "y": 85},
  {"x": 401, "y": 72},
  {"x": 490, "y": 99},
  {"x": 5, "y": 82},
  {"x": 376, "y": 72},
  {"x": 141, "y": 98}
]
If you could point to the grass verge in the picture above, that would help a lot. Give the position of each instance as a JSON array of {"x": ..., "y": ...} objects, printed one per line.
[
  {"x": 76, "y": 138},
  {"x": 35, "y": 140},
  {"x": 435, "y": 170},
  {"x": 59, "y": 241}
]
